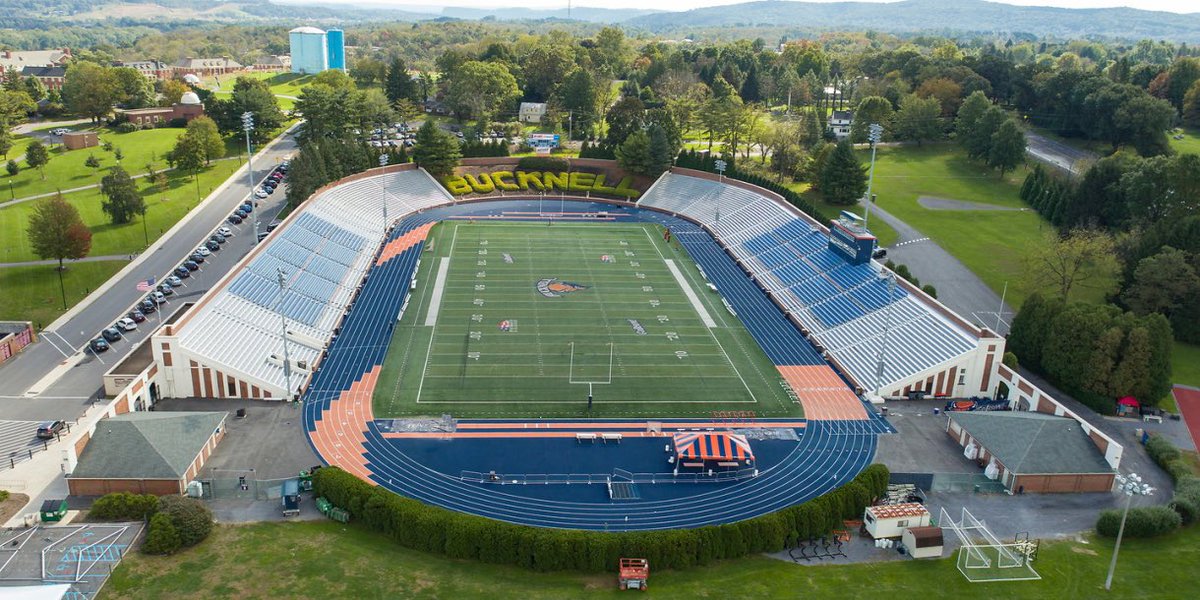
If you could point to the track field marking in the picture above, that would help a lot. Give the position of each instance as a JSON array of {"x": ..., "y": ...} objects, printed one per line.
[
  {"x": 439, "y": 285},
  {"x": 433, "y": 334},
  {"x": 690, "y": 293}
]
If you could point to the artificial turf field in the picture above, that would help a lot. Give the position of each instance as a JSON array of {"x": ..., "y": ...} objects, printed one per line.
[{"x": 528, "y": 317}]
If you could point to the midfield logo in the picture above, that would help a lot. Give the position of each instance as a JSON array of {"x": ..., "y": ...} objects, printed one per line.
[{"x": 553, "y": 288}]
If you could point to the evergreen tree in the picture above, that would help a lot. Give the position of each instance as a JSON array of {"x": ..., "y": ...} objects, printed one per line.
[
  {"x": 122, "y": 198},
  {"x": 5, "y": 137},
  {"x": 1007, "y": 150},
  {"x": 872, "y": 109},
  {"x": 660, "y": 153},
  {"x": 162, "y": 537},
  {"x": 1027, "y": 335},
  {"x": 436, "y": 151},
  {"x": 37, "y": 156},
  {"x": 843, "y": 178},
  {"x": 634, "y": 153},
  {"x": 399, "y": 85},
  {"x": 1131, "y": 375},
  {"x": 1106, "y": 351},
  {"x": 752, "y": 88}
]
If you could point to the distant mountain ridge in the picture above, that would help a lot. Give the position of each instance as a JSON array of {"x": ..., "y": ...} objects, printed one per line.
[{"x": 935, "y": 15}]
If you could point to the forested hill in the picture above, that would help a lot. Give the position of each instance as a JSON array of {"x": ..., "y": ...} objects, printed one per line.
[{"x": 935, "y": 15}]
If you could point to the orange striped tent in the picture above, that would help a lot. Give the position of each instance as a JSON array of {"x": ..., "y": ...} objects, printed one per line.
[{"x": 712, "y": 445}]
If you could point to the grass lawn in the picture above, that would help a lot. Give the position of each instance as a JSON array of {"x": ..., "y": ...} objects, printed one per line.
[
  {"x": 1190, "y": 143},
  {"x": 32, "y": 293},
  {"x": 1185, "y": 370},
  {"x": 323, "y": 559},
  {"x": 989, "y": 242},
  {"x": 163, "y": 210},
  {"x": 529, "y": 314}
]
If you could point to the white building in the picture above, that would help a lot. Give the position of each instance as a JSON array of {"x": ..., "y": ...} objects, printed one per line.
[
  {"x": 532, "y": 112},
  {"x": 840, "y": 123},
  {"x": 310, "y": 50}
]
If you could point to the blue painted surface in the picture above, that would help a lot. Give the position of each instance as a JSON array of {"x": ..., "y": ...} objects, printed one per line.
[{"x": 827, "y": 455}]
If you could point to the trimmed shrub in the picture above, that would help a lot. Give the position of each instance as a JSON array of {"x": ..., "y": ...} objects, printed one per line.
[
  {"x": 162, "y": 538},
  {"x": 929, "y": 289},
  {"x": 4, "y": 494},
  {"x": 1143, "y": 522},
  {"x": 124, "y": 506},
  {"x": 439, "y": 531},
  {"x": 542, "y": 163},
  {"x": 1186, "y": 507},
  {"x": 126, "y": 127},
  {"x": 1162, "y": 451},
  {"x": 190, "y": 517}
]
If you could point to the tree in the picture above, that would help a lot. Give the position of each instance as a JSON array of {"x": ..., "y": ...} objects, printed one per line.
[
  {"x": 252, "y": 96},
  {"x": 969, "y": 114},
  {"x": 1191, "y": 105},
  {"x": 545, "y": 67},
  {"x": 577, "y": 94},
  {"x": 979, "y": 144},
  {"x": 162, "y": 538},
  {"x": 478, "y": 89},
  {"x": 366, "y": 71},
  {"x": 633, "y": 154},
  {"x": 35, "y": 88},
  {"x": 56, "y": 231},
  {"x": 843, "y": 178},
  {"x": 1080, "y": 258},
  {"x": 5, "y": 137},
  {"x": 625, "y": 117},
  {"x": 436, "y": 151},
  {"x": 91, "y": 162},
  {"x": 13, "y": 168},
  {"x": 1166, "y": 283},
  {"x": 123, "y": 200},
  {"x": 191, "y": 518},
  {"x": 1008, "y": 148},
  {"x": 15, "y": 105},
  {"x": 89, "y": 89},
  {"x": 872, "y": 109},
  {"x": 945, "y": 91},
  {"x": 172, "y": 91},
  {"x": 919, "y": 119},
  {"x": 132, "y": 88},
  {"x": 1143, "y": 122},
  {"x": 37, "y": 156},
  {"x": 203, "y": 136},
  {"x": 398, "y": 84},
  {"x": 1027, "y": 335},
  {"x": 1162, "y": 187},
  {"x": 333, "y": 78}
]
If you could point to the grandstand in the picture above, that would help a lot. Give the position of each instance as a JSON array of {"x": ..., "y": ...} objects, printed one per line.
[
  {"x": 231, "y": 343},
  {"x": 843, "y": 307}
]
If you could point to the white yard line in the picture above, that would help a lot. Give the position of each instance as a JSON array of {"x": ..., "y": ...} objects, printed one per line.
[
  {"x": 433, "y": 334},
  {"x": 691, "y": 294},
  {"x": 439, "y": 285}
]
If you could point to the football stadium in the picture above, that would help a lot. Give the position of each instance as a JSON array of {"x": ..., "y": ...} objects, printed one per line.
[{"x": 690, "y": 352}]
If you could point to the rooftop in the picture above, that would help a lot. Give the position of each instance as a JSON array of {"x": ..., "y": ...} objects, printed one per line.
[
  {"x": 147, "y": 445},
  {"x": 898, "y": 511},
  {"x": 1032, "y": 443}
]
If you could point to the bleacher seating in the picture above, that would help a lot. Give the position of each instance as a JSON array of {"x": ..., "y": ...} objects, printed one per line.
[
  {"x": 843, "y": 305},
  {"x": 324, "y": 254}
]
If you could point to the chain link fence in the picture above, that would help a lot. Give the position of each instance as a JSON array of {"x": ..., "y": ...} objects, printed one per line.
[{"x": 242, "y": 488}]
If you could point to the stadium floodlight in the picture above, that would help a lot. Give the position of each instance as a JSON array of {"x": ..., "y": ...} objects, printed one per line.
[
  {"x": 383, "y": 162},
  {"x": 1131, "y": 485},
  {"x": 287, "y": 363},
  {"x": 248, "y": 126},
  {"x": 874, "y": 134}
]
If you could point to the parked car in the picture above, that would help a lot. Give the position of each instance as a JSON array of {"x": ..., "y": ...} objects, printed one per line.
[
  {"x": 212, "y": 246},
  {"x": 111, "y": 334},
  {"x": 136, "y": 315},
  {"x": 247, "y": 208},
  {"x": 235, "y": 218},
  {"x": 218, "y": 238},
  {"x": 274, "y": 224},
  {"x": 175, "y": 281},
  {"x": 166, "y": 289},
  {"x": 126, "y": 324},
  {"x": 147, "y": 307},
  {"x": 50, "y": 429},
  {"x": 225, "y": 232},
  {"x": 98, "y": 345},
  {"x": 260, "y": 194},
  {"x": 59, "y": 131},
  {"x": 191, "y": 265},
  {"x": 182, "y": 272}
]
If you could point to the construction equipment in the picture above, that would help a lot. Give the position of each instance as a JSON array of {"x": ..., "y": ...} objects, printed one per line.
[{"x": 634, "y": 573}]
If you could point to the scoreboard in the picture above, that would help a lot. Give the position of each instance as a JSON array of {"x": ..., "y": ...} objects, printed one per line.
[{"x": 849, "y": 238}]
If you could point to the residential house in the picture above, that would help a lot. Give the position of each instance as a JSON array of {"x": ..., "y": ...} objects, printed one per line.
[{"x": 840, "y": 122}]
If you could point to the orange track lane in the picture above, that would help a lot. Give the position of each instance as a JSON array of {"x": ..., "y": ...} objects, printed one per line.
[
  {"x": 339, "y": 435},
  {"x": 404, "y": 242},
  {"x": 823, "y": 394},
  {"x": 588, "y": 427}
]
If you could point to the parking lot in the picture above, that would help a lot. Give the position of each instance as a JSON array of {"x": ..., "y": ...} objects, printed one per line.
[{"x": 81, "y": 556}]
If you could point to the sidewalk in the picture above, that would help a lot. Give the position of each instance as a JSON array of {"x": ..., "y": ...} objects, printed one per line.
[{"x": 38, "y": 263}]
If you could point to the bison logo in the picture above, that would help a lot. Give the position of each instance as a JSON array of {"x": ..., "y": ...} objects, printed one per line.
[{"x": 553, "y": 288}]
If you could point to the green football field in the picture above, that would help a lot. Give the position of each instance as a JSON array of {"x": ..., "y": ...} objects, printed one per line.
[{"x": 525, "y": 320}]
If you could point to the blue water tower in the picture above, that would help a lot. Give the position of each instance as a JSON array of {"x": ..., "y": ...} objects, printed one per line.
[{"x": 336, "y": 43}]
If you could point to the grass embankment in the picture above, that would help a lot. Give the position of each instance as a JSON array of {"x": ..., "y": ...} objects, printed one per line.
[
  {"x": 32, "y": 293},
  {"x": 323, "y": 559}
]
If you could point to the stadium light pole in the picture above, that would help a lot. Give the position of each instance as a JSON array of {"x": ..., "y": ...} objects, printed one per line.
[
  {"x": 383, "y": 161},
  {"x": 1131, "y": 485},
  {"x": 874, "y": 134},
  {"x": 247, "y": 127},
  {"x": 887, "y": 325},
  {"x": 287, "y": 363}
]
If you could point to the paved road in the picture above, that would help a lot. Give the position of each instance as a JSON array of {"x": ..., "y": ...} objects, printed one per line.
[
  {"x": 80, "y": 385},
  {"x": 1058, "y": 154},
  {"x": 957, "y": 286}
]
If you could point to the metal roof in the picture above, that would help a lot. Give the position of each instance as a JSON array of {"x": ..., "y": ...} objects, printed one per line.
[{"x": 1028, "y": 443}]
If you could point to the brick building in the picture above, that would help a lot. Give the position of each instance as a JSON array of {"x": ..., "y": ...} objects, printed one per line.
[
  {"x": 19, "y": 59},
  {"x": 51, "y": 77},
  {"x": 206, "y": 67},
  {"x": 146, "y": 453},
  {"x": 154, "y": 70},
  {"x": 188, "y": 108}
]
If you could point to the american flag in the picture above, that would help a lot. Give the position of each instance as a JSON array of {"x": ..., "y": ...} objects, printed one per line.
[{"x": 145, "y": 286}]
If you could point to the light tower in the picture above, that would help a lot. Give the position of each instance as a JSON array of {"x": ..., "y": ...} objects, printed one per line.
[
  {"x": 874, "y": 134},
  {"x": 1131, "y": 485},
  {"x": 248, "y": 126},
  {"x": 287, "y": 362}
]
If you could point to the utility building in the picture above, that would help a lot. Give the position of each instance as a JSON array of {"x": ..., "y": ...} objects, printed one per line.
[{"x": 310, "y": 52}]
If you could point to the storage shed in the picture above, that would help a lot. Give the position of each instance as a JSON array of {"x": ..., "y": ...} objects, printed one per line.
[
  {"x": 923, "y": 542},
  {"x": 890, "y": 520}
]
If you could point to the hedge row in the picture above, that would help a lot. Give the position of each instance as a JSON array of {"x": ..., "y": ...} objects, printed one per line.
[
  {"x": 690, "y": 159},
  {"x": 457, "y": 535},
  {"x": 124, "y": 506},
  {"x": 1143, "y": 522},
  {"x": 542, "y": 163}
]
